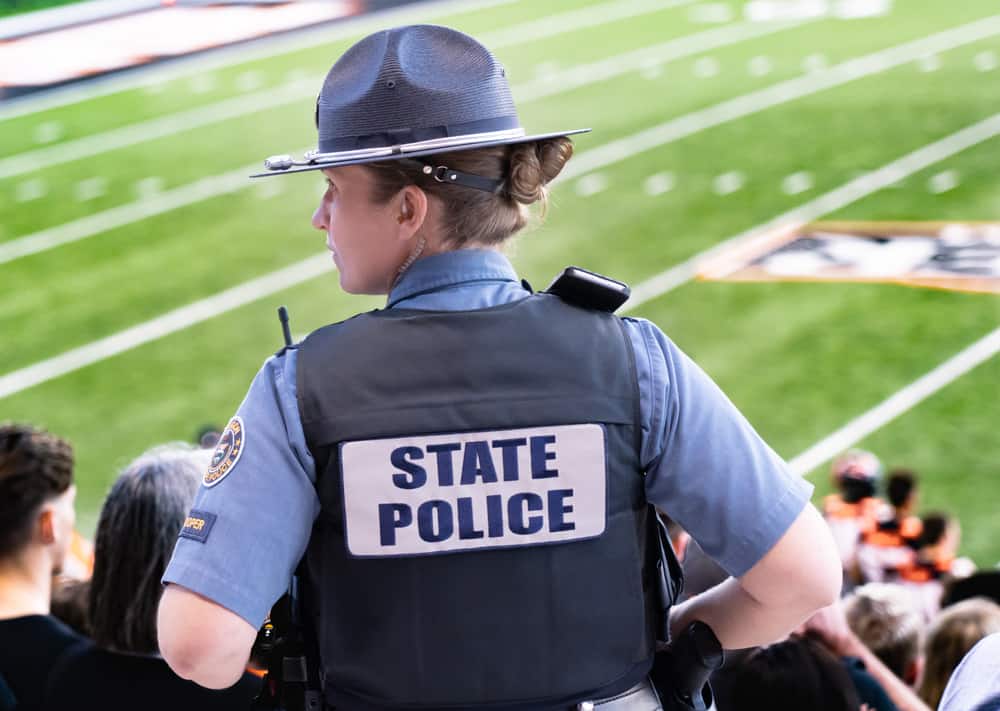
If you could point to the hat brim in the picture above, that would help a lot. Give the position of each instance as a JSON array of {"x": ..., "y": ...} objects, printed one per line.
[{"x": 332, "y": 162}]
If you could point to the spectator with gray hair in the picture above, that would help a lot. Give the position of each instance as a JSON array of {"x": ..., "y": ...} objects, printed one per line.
[
  {"x": 138, "y": 528},
  {"x": 886, "y": 618}
]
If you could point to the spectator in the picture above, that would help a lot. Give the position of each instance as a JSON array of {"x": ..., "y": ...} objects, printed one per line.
[
  {"x": 975, "y": 685},
  {"x": 70, "y": 598},
  {"x": 136, "y": 533},
  {"x": 36, "y": 525},
  {"x": 207, "y": 436},
  {"x": 951, "y": 636},
  {"x": 829, "y": 625},
  {"x": 931, "y": 567},
  {"x": 985, "y": 583},
  {"x": 796, "y": 674},
  {"x": 885, "y": 618},
  {"x": 890, "y": 544},
  {"x": 901, "y": 492},
  {"x": 853, "y": 511}
]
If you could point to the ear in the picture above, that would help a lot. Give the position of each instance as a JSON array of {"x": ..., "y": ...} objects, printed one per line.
[
  {"x": 412, "y": 204},
  {"x": 46, "y": 526},
  {"x": 914, "y": 670}
]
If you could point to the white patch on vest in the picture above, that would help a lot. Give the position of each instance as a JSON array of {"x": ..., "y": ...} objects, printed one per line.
[{"x": 497, "y": 489}]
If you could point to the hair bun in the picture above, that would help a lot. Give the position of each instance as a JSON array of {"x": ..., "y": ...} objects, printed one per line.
[{"x": 534, "y": 165}]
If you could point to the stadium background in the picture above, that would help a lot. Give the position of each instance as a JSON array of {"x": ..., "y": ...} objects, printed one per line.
[{"x": 697, "y": 138}]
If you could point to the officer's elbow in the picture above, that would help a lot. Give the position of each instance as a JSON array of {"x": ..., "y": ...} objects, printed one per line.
[
  {"x": 802, "y": 572},
  {"x": 201, "y": 643}
]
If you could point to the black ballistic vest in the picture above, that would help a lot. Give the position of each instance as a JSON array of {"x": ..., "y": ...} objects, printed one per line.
[{"x": 531, "y": 627}]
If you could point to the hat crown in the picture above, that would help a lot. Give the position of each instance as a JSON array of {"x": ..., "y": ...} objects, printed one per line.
[{"x": 412, "y": 83}]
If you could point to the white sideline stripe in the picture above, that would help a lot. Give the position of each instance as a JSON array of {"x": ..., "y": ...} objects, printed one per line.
[
  {"x": 575, "y": 20},
  {"x": 234, "y": 180},
  {"x": 242, "y": 54},
  {"x": 127, "y": 214},
  {"x": 573, "y": 78},
  {"x": 532, "y": 30},
  {"x": 299, "y": 272},
  {"x": 895, "y": 405},
  {"x": 831, "y": 201},
  {"x": 777, "y": 94},
  {"x": 166, "y": 324}
]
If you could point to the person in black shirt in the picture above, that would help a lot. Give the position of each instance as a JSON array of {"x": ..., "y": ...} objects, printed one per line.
[
  {"x": 36, "y": 526},
  {"x": 121, "y": 668}
]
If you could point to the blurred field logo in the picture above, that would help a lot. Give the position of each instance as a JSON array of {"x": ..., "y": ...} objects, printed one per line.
[
  {"x": 772, "y": 10},
  {"x": 955, "y": 256},
  {"x": 227, "y": 452}
]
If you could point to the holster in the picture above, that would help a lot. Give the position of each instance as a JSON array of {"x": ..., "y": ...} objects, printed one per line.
[{"x": 682, "y": 666}]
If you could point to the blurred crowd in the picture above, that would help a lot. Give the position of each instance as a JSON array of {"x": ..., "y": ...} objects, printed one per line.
[
  {"x": 911, "y": 611},
  {"x": 918, "y": 627}
]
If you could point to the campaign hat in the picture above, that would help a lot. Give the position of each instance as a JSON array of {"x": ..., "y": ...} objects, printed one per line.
[{"x": 410, "y": 92}]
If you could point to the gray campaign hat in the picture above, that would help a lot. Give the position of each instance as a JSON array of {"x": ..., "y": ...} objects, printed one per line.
[{"x": 409, "y": 92}]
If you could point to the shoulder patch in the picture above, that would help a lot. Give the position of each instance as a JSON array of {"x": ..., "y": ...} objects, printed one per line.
[
  {"x": 227, "y": 452},
  {"x": 198, "y": 525}
]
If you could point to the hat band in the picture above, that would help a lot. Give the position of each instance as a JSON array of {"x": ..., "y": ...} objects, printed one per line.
[
  {"x": 464, "y": 141},
  {"x": 330, "y": 142}
]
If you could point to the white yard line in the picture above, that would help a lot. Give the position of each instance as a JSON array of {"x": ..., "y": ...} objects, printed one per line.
[
  {"x": 900, "y": 402},
  {"x": 241, "y": 54},
  {"x": 164, "y": 325},
  {"x": 299, "y": 272},
  {"x": 228, "y": 109},
  {"x": 831, "y": 201},
  {"x": 235, "y": 180},
  {"x": 780, "y": 93},
  {"x": 575, "y": 20},
  {"x": 532, "y": 30}
]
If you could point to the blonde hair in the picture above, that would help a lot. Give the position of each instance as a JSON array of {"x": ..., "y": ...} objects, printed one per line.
[
  {"x": 885, "y": 617},
  {"x": 950, "y": 638},
  {"x": 476, "y": 217}
]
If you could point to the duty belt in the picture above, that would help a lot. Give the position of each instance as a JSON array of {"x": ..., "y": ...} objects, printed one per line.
[{"x": 641, "y": 697}]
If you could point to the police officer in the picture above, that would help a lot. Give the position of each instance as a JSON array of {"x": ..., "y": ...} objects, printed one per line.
[{"x": 468, "y": 472}]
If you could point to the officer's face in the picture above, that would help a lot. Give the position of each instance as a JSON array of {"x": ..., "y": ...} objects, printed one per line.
[{"x": 362, "y": 234}]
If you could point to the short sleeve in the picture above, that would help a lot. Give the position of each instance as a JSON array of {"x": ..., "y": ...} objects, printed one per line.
[
  {"x": 254, "y": 520},
  {"x": 706, "y": 467}
]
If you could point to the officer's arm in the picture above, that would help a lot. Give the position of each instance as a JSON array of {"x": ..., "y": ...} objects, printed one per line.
[
  {"x": 222, "y": 579},
  {"x": 201, "y": 640},
  {"x": 798, "y": 576}
]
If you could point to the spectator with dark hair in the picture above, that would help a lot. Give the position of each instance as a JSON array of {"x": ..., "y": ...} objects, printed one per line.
[
  {"x": 901, "y": 492},
  {"x": 935, "y": 562},
  {"x": 885, "y": 618},
  {"x": 36, "y": 525},
  {"x": 889, "y": 545},
  {"x": 984, "y": 583},
  {"x": 136, "y": 533},
  {"x": 796, "y": 674},
  {"x": 853, "y": 511},
  {"x": 975, "y": 684},
  {"x": 951, "y": 636}
]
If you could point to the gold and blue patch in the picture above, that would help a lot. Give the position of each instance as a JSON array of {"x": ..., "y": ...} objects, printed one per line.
[
  {"x": 227, "y": 452},
  {"x": 198, "y": 525}
]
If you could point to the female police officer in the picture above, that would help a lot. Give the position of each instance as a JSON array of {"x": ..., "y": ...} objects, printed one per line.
[{"x": 468, "y": 471}]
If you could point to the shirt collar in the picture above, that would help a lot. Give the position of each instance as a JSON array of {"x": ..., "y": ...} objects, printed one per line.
[{"x": 441, "y": 271}]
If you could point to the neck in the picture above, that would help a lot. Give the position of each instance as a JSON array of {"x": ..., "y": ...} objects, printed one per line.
[{"x": 25, "y": 585}]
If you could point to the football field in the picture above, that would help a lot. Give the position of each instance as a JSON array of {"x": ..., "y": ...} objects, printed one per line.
[{"x": 140, "y": 269}]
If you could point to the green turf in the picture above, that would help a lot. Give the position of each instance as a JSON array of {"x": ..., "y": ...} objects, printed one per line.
[
  {"x": 9, "y": 8},
  {"x": 799, "y": 359}
]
